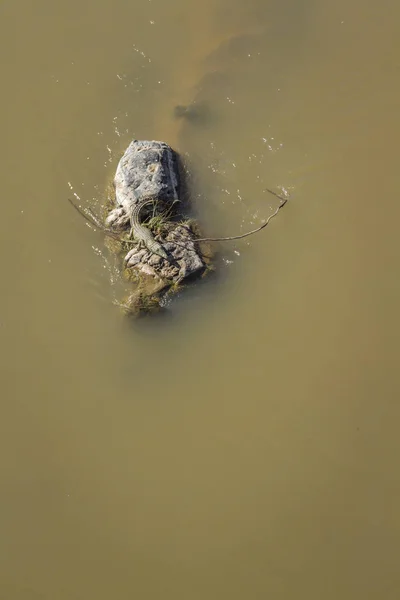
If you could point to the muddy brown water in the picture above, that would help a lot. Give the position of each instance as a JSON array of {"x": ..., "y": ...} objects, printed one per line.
[{"x": 247, "y": 444}]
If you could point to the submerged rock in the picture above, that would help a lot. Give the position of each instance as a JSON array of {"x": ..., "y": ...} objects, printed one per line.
[
  {"x": 151, "y": 169},
  {"x": 197, "y": 113}
]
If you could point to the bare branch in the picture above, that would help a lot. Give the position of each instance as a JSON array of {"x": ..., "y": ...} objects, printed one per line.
[
  {"x": 95, "y": 221},
  {"x": 239, "y": 237}
]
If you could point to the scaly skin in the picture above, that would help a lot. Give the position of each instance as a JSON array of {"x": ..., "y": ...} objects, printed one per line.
[{"x": 143, "y": 234}]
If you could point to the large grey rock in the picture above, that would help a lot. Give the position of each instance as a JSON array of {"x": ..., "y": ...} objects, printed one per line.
[{"x": 147, "y": 168}]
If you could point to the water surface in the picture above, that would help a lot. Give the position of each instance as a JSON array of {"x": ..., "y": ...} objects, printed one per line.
[{"x": 246, "y": 445}]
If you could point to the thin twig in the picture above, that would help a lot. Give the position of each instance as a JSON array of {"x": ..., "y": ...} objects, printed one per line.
[
  {"x": 93, "y": 219},
  {"x": 239, "y": 237}
]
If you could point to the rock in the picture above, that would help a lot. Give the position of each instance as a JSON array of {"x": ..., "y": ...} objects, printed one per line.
[
  {"x": 148, "y": 168},
  {"x": 151, "y": 168},
  {"x": 197, "y": 113}
]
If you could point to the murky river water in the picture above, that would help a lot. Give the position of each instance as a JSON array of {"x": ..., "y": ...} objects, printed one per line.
[{"x": 246, "y": 445}]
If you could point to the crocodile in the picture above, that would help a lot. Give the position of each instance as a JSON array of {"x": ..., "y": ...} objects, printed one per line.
[{"x": 143, "y": 234}]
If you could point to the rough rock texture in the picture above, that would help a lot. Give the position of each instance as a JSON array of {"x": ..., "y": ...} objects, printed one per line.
[
  {"x": 178, "y": 241},
  {"x": 146, "y": 169},
  {"x": 150, "y": 168}
]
